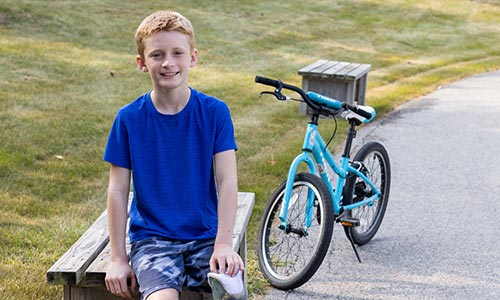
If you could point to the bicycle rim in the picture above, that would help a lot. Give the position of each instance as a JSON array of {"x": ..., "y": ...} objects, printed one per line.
[
  {"x": 288, "y": 260},
  {"x": 375, "y": 158}
]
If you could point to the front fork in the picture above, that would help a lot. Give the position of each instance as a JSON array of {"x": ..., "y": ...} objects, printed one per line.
[{"x": 289, "y": 199}]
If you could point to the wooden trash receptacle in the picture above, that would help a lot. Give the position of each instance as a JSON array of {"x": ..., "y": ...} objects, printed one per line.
[{"x": 344, "y": 81}]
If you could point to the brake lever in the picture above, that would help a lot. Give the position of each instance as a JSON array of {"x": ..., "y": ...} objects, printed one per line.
[{"x": 276, "y": 94}]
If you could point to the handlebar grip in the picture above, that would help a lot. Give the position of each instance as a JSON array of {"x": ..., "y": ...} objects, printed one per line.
[
  {"x": 362, "y": 113},
  {"x": 368, "y": 115},
  {"x": 267, "y": 81}
]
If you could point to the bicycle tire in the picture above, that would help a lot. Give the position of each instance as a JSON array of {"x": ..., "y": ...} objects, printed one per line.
[
  {"x": 288, "y": 260},
  {"x": 375, "y": 158}
]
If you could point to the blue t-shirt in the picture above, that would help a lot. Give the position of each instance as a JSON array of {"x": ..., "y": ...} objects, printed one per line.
[{"x": 171, "y": 159}]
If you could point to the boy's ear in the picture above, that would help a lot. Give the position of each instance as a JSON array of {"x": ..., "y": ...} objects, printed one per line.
[
  {"x": 140, "y": 64},
  {"x": 194, "y": 58}
]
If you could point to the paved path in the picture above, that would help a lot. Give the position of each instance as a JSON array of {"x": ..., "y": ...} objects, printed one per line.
[{"x": 441, "y": 235}]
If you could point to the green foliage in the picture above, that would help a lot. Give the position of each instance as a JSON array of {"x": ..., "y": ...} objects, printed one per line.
[{"x": 68, "y": 65}]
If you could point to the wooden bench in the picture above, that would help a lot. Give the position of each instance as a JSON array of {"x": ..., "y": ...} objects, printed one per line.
[{"x": 82, "y": 268}]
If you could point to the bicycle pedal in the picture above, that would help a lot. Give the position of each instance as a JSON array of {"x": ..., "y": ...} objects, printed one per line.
[{"x": 349, "y": 222}]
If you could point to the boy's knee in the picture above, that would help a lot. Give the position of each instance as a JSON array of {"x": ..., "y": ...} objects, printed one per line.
[{"x": 165, "y": 294}]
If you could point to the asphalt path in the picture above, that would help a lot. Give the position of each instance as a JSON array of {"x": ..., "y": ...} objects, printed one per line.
[{"x": 440, "y": 238}]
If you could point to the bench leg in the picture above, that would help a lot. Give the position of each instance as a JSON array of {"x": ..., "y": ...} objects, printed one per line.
[
  {"x": 242, "y": 251},
  {"x": 191, "y": 295}
]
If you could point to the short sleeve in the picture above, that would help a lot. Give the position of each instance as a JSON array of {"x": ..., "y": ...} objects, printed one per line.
[
  {"x": 224, "y": 139},
  {"x": 117, "y": 150}
]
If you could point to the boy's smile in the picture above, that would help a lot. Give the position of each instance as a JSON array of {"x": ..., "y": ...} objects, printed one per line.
[{"x": 169, "y": 74}]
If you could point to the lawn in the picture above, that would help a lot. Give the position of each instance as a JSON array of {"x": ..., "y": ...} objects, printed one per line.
[{"x": 67, "y": 66}]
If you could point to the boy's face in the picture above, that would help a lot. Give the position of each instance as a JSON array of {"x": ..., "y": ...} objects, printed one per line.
[{"x": 167, "y": 58}]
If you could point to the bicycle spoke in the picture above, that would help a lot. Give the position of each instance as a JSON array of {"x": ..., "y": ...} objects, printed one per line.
[
  {"x": 292, "y": 256},
  {"x": 373, "y": 157}
]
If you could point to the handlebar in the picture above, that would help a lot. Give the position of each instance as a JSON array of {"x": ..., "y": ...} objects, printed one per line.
[
  {"x": 268, "y": 81},
  {"x": 319, "y": 103},
  {"x": 279, "y": 85}
]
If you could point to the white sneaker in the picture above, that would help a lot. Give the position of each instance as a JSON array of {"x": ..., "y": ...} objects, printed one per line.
[{"x": 225, "y": 287}]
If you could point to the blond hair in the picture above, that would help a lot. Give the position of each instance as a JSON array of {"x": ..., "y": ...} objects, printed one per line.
[{"x": 163, "y": 21}]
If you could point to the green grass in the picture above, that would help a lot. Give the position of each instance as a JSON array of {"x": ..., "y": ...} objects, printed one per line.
[{"x": 67, "y": 66}]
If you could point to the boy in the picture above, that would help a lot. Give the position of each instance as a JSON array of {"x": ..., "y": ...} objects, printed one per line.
[{"x": 178, "y": 145}]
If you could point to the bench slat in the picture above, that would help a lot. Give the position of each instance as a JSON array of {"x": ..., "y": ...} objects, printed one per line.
[
  {"x": 361, "y": 70},
  {"x": 318, "y": 71},
  {"x": 330, "y": 72},
  {"x": 342, "y": 73},
  {"x": 245, "y": 206},
  {"x": 70, "y": 268},
  {"x": 335, "y": 69},
  {"x": 311, "y": 67}
]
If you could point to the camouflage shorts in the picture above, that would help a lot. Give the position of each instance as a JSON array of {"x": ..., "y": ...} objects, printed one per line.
[{"x": 161, "y": 263}]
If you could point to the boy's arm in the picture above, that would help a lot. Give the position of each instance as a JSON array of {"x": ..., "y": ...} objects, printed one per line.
[
  {"x": 225, "y": 259},
  {"x": 119, "y": 270}
]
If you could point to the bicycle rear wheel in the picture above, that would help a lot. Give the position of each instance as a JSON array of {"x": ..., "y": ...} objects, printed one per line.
[
  {"x": 377, "y": 168},
  {"x": 289, "y": 258}
]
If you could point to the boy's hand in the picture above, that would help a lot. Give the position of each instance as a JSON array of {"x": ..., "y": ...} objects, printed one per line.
[
  {"x": 117, "y": 277},
  {"x": 225, "y": 260}
]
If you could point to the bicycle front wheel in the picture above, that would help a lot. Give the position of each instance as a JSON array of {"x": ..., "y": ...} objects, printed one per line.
[
  {"x": 377, "y": 168},
  {"x": 289, "y": 257}
]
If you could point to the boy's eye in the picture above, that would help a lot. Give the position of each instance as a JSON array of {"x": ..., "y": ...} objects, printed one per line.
[{"x": 155, "y": 55}]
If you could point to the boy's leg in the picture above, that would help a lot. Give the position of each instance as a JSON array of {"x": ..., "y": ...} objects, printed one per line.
[
  {"x": 159, "y": 267},
  {"x": 165, "y": 294},
  {"x": 197, "y": 263}
]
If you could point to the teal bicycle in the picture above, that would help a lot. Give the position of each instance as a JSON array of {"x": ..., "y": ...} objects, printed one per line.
[{"x": 297, "y": 224}]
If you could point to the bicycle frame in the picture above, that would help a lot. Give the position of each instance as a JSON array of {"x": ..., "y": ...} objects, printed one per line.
[{"x": 315, "y": 153}]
